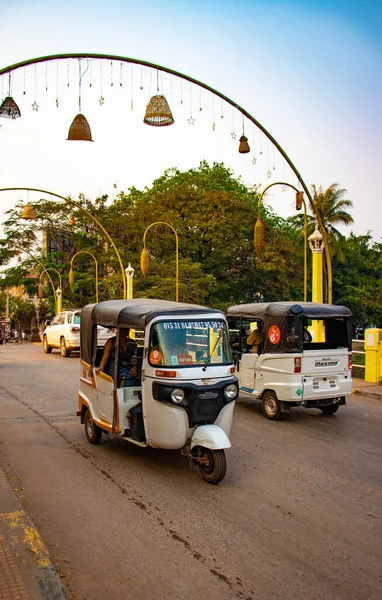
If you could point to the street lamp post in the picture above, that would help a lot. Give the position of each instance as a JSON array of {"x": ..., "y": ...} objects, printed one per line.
[
  {"x": 89, "y": 214},
  {"x": 71, "y": 273},
  {"x": 145, "y": 256},
  {"x": 259, "y": 227},
  {"x": 129, "y": 276},
  {"x": 317, "y": 247}
]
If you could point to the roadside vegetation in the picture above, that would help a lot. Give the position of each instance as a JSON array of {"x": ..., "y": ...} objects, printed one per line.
[{"x": 214, "y": 214}]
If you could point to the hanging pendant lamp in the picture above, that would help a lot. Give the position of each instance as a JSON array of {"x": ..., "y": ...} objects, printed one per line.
[
  {"x": 158, "y": 112},
  {"x": 144, "y": 262},
  {"x": 28, "y": 213},
  {"x": 259, "y": 236},
  {"x": 80, "y": 128},
  {"x": 9, "y": 108},
  {"x": 243, "y": 145}
]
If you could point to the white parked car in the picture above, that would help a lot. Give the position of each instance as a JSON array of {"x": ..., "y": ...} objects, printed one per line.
[{"x": 63, "y": 333}]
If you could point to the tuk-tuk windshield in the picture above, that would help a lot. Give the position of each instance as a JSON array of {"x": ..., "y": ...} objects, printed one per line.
[{"x": 189, "y": 343}]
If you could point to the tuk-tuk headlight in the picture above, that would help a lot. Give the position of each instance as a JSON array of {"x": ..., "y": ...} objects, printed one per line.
[
  {"x": 177, "y": 395},
  {"x": 231, "y": 391}
]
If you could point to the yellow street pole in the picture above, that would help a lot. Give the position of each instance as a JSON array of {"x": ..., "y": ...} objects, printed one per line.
[
  {"x": 259, "y": 227},
  {"x": 145, "y": 258},
  {"x": 71, "y": 273},
  {"x": 317, "y": 248},
  {"x": 89, "y": 214},
  {"x": 58, "y": 291}
]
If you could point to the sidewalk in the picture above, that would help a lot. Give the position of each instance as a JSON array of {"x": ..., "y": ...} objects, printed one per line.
[
  {"x": 26, "y": 572},
  {"x": 366, "y": 388}
]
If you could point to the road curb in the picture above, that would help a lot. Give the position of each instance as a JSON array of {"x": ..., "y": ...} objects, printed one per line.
[
  {"x": 27, "y": 572},
  {"x": 368, "y": 394}
]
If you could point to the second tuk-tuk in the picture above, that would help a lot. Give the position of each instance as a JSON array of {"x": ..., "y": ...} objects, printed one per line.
[
  {"x": 303, "y": 357},
  {"x": 184, "y": 388}
]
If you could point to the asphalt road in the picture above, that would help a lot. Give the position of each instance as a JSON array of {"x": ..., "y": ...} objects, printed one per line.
[{"x": 298, "y": 515}]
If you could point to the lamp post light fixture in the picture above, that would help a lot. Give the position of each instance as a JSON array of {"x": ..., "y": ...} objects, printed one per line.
[
  {"x": 145, "y": 256},
  {"x": 71, "y": 272},
  {"x": 259, "y": 227},
  {"x": 129, "y": 276},
  {"x": 59, "y": 299},
  {"x": 81, "y": 208}
]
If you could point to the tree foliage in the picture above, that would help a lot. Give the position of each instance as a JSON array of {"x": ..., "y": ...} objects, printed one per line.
[{"x": 214, "y": 214}]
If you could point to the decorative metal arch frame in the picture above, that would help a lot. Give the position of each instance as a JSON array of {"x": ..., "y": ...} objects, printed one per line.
[{"x": 198, "y": 83}]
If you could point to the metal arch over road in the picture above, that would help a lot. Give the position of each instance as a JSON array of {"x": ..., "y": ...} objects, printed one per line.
[{"x": 144, "y": 63}]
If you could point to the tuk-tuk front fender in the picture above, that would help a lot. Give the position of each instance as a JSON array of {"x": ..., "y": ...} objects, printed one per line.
[{"x": 210, "y": 436}]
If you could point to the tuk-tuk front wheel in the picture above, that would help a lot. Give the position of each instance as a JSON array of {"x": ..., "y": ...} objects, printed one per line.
[
  {"x": 212, "y": 464},
  {"x": 93, "y": 432},
  {"x": 271, "y": 406}
]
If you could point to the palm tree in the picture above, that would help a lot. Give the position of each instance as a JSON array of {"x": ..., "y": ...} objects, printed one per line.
[
  {"x": 330, "y": 206},
  {"x": 329, "y": 209}
]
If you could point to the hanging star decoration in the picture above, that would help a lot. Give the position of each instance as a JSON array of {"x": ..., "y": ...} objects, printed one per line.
[
  {"x": 284, "y": 188},
  {"x": 222, "y": 116},
  {"x": 101, "y": 101},
  {"x": 254, "y": 160},
  {"x": 233, "y": 135},
  {"x": 213, "y": 126},
  {"x": 57, "y": 103},
  {"x": 200, "y": 109},
  {"x": 35, "y": 106},
  {"x": 191, "y": 120},
  {"x": 269, "y": 174},
  {"x": 141, "y": 87}
]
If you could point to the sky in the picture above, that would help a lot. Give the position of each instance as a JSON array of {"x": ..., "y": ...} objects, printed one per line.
[{"x": 310, "y": 72}]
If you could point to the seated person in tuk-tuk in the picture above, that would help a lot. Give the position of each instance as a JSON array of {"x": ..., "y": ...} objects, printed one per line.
[
  {"x": 255, "y": 338},
  {"x": 127, "y": 361}
]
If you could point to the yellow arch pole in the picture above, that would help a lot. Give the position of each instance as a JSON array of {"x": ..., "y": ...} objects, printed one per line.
[
  {"x": 144, "y": 259},
  {"x": 305, "y": 228},
  {"x": 71, "y": 274},
  {"x": 42, "y": 266},
  {"x": 79, "y": 207}
]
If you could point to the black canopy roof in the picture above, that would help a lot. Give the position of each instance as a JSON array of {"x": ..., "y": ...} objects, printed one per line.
[
  {"x": 137, "y": 312},
  {"x": 311, "y": 310},
  {"x": 131, "y": 313}
]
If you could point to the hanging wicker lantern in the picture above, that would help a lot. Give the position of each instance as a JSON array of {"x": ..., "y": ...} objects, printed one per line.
[
  {"x": 72, "y": 220},
  {"x": 244, "y": 146},
  {"x": 259, "y": 236},
  {"x": 80, "y": 130},
  {"x": 9, "y": 109},
  {"x": 158, "y": 112},
  {"x": 144, "y": 262},
  {"x": 28, "y": 213},
  {"x": 299, "y": 200},
  {"x": 71, "y": 277},
  {"x": 106, "y": 247},
  {"x": 40, "y": 291}
]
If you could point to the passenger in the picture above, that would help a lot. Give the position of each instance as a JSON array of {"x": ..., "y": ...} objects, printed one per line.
[
  {"x": 307, "y": 338},
  {"x": 127, "y": 361},
  {"x": 255, "y": 338}
]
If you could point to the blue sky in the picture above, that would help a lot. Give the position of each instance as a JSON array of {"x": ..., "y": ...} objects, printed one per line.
[{"x": 309, "y": 72}]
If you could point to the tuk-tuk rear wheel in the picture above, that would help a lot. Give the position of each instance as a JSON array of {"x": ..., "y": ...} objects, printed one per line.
[
  {"x": 271, "y": 406},
  {"x": 93, "y": 432},
  {"x": 330, "y": 409},
  {"x": 212, "y": 464}
]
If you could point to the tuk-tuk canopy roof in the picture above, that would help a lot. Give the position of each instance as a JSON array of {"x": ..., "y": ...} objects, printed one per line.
[
  {"x": 137, "y": 312},
  {"x": 311, "y": 310}
]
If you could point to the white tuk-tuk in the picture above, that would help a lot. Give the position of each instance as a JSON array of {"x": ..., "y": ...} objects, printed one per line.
[
  {"x": 184, "y": 393},
  {"x": 290, "y": 368}
]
